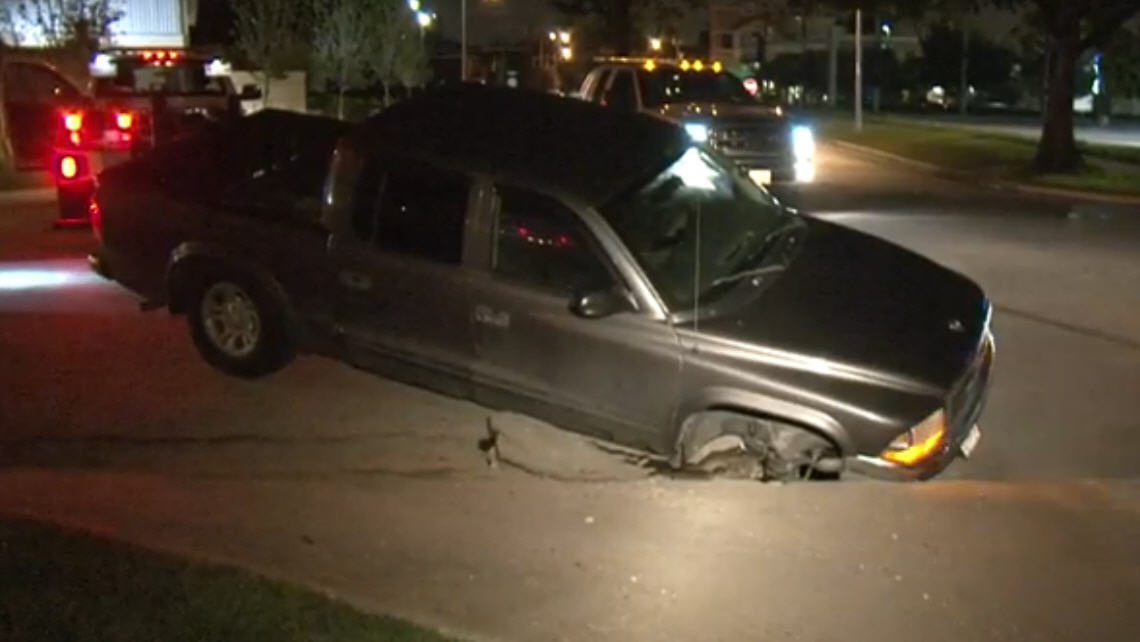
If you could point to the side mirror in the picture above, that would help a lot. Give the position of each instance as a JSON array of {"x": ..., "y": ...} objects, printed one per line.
[
  {"x": 250, "y": 92},
  {"x": 603, "y": 303}
]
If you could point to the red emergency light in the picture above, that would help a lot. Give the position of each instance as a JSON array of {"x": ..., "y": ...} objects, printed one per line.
[
  {"x": 73, "y": 121},
  {"x": 68, "y": 167}
]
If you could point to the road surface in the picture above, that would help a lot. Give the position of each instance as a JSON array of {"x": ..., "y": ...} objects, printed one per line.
[{"x": 377, "y": 493}]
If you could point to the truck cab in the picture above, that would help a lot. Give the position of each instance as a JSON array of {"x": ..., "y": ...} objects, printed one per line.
[{"x": 714, "y": 106}]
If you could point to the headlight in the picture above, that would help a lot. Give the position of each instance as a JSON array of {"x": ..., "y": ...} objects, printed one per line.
[
  {"x": 803, "y": 142},
  {"x": 918, "y": 443},
  {"x": 699, "y": 132}
]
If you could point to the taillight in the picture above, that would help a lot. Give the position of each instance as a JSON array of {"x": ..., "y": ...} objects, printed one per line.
[
  {"x": 95, "y": 215},
  {"x": 124, "y": 119},
  {"x": 68, "y": 166}
]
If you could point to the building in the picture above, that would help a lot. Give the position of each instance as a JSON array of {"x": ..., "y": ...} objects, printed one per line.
[
  {"x": 143, "y": 23},
  {"x": 763, "y": 30}
]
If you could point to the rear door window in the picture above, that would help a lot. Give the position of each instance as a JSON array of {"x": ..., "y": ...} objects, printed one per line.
[{"x": 412, "y": 208}]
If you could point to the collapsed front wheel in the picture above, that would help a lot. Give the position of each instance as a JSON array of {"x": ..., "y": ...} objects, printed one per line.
[{"x": 238, "y": 327}]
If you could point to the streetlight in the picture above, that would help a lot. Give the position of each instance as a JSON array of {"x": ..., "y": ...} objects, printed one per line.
[{"x": 655, "y": 44}]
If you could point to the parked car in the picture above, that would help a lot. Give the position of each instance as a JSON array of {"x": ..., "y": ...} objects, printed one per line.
[
  {"x": 713, "y": 106},
  {"x": 587, "y": 266}
]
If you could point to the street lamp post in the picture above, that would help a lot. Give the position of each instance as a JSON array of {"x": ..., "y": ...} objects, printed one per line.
[
  {"x": 859, "y": 70},
  {"x": 463, "y": 41}
]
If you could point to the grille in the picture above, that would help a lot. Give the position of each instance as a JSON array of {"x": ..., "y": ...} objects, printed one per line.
[{"x": 762, "y": 139}]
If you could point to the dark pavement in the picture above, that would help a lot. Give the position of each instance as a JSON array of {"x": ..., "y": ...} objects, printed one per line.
[{"x": 376, "y": 492}]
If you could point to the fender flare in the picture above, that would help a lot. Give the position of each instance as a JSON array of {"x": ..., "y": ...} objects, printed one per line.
[{"x": 753, "y": 403}]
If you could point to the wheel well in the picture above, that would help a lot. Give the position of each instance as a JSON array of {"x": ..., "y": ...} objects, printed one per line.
[
  {"x": 709, "y": 423},
  {"x": 184, "y": 276}
]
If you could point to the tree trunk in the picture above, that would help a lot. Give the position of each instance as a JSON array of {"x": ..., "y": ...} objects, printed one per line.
[
  {"x": 1057, "y": 150},
  {"x": 340, "y": 103},
  {"x": 265, "y": 90},
  {"x": 964, "y": 80}
]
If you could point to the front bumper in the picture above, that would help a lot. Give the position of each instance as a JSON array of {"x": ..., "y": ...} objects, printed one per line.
[
  {"x": 781, "y": 168},
  {"x": 963, "y": 407}
]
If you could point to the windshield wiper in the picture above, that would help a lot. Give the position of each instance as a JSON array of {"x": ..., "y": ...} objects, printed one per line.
[
  {"x": 761, "y": 251},
  {"x": 737, "y": 276}
]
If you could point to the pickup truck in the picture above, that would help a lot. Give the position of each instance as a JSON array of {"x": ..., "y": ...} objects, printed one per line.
[
  {"x": 136, "y": 99},
  {"x": 593, "y": 268},
  {"x": 714, "y": 107}
]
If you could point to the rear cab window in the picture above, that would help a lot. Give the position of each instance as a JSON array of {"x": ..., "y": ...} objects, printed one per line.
[{"x": 412, "y": 208}]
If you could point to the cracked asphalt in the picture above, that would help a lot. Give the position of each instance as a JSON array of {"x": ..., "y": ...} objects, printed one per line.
[{"x": 378, "y": 493}]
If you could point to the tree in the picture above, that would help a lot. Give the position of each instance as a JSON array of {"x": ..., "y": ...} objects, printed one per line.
[
  {"x": 619, "y": 18},
  {"x": 65, "y": 22},
  {"x": 409, "y": 61},
  {"x": 342, "y": 30},
  {"x": 990, "y": 64},
  {"x": 395, "y": 52},
  {"x": 262, "y": 30},
  {"x": 1071, "y": 28}
]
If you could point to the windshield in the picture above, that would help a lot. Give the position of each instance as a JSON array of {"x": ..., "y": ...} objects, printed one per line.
[
  {"x": 699, "y": 196},
  {"x": 136, "y": 77},
  {"x": 671, "y": 85}
]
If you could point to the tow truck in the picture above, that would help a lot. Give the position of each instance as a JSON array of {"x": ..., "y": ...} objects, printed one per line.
[
  {"x": 714, "y": 106},
  {"x": 139, "y": 99}
]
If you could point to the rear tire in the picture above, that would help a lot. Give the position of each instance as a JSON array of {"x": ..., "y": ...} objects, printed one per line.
[{"x": 238, "y": 326}]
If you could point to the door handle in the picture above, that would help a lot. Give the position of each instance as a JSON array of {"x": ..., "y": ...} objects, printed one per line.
[{"x": 355, "y": 280}]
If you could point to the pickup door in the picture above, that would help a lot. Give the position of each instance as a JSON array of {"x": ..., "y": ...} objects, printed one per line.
[
  {"x": 403, "y": 305},
  {"x": 615, "y": 377}
]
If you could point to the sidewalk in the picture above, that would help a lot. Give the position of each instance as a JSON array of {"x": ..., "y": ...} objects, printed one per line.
[{"x": 502, "y": 556}]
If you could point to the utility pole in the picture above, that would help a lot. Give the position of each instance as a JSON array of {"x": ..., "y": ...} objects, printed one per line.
[
  {"x": 463, "y": 41},
  {"x": 964, "y": 85},
  {"x": 858, "y": 70},
  {"x": 833, "y": 66}
]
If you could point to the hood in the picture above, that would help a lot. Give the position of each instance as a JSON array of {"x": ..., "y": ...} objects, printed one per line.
[
  {"x": 860, "y": 301},
  {"x": 720, "y": 112}
]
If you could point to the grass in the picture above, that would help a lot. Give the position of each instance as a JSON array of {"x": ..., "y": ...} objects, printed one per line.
[
  {"x": 62, "y": 586},
  {"x": 983, "y": 155}
]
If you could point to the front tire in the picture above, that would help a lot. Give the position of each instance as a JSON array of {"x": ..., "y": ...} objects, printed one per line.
[{"x": 238, "y": 327}]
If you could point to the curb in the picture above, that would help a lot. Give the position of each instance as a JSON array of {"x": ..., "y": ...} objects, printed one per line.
[
  {"x": 1024, "y": 188},
  {"x": 24, "y": 196}
]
